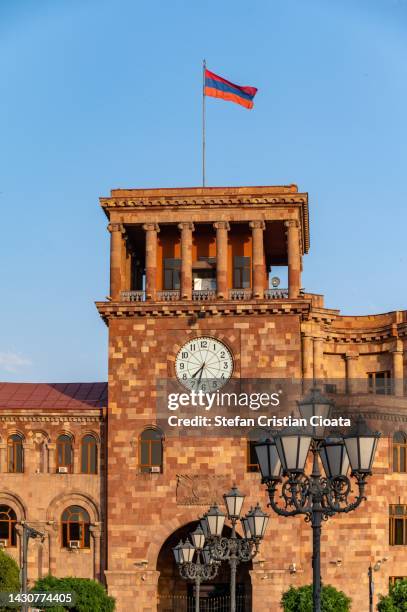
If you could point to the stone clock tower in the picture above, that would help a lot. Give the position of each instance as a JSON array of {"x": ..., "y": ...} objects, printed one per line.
[
  {"x": 193, "y": 265},
  {"x": 189, "y": 263}
]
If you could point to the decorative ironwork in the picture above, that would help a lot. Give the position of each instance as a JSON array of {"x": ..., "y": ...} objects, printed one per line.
[{"x": 133, "y": 296}]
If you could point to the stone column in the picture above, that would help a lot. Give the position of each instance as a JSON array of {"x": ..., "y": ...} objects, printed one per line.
[
  {"x": 318, "y": 354},
  {"x": 116, "y": 254},
  {"x": 398, "y": 369},
  {"x": 29, "y": 463},
  {"x": 258, "y": 271},
  {"x": 222, "y": 228},
  {"x": 3, "y": 457},
  {"x": 52, "y": 532},
  {"x": 186, "y": 259},
  {"x": 307, "y": 357},
  {"x": 351, "y": 359},
  {"x": 294, "y": 258},
  {"x": 151, "y": 230},
  {"x": 52, "y": 464},
  {"x": 96, "y": 533}
]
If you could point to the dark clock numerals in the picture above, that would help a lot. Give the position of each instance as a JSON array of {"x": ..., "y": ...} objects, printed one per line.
[{"x": 204, "y": 364}]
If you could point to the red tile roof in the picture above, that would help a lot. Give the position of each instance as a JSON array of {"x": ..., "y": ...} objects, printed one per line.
[{"x": 53, "y": 396}]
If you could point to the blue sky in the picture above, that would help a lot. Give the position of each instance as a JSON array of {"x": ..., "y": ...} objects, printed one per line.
[{"x": 99, "y": 94}]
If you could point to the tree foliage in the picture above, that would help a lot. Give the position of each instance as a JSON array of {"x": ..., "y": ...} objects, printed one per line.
[
  {"x": 300, "y": 600},
  {"x": 91, "y": 595},
  {"x": 9, "y": 575},
  {"x": 396, "y": 600}
]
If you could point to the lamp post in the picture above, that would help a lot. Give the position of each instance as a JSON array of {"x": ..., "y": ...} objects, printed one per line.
[
  {"x": 370, "y": 571},
  {"x": 233, "y": 549},
  {"x": 28, "y": 532},
  {"x": 203, "y": 569},
  {"x": 282, "y": 459}
]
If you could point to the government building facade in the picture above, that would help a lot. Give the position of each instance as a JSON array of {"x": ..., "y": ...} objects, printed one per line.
[{"x": 90, "y": 466}]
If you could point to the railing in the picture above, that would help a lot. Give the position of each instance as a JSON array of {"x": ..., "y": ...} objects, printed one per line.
[
  {"x": 203, "y": 295},
  {"x": 169, "y": 295},
  {"x": 240, "y": 294},
  {"x": 186, "y": 603},
  {"x": 276, "y": 294},
  {"x": 133, "y": 296}
]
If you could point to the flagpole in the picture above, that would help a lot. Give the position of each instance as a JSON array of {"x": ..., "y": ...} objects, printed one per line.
[{"x": 203, "y": 122}]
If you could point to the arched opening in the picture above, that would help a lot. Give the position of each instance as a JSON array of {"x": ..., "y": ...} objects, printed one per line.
[
  {"x": 89, "y": 455},
  {"x": 15, "y": 454},
  {"x": 151, "y": 450},
  {"x": 75, "y": 523},
  {"x": 8, "y": 521},
  {"x": 177, "y": 595},
  {"x": 64, "y": 455}
]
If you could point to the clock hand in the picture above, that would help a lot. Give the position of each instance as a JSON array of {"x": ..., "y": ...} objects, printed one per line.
[
  {"x": 199, "y": 370},
  {"x": 200, "y": 376}
]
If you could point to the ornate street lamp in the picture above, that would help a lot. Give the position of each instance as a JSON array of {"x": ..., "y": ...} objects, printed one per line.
[
  {"x": 292, "y": 447},
  {"x": 268, "y": 459},
  {"x": 316, "y": 496},
  {"x": 203, "y": 569},
  {"x": 233, "y": 549},
  {"x": 315, "y": 405}
]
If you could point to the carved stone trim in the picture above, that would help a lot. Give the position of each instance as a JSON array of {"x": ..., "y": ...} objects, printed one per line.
[
  {"x": 115, "y": 227},
  {"x": 108, "y": 310},
  {"x": 151, "y": 227},
  {"x": 222, "y": 225},
  {"x": 257, "y": 225},
  {"x": 48, "y": 419},
  {"x": 186, "y": 225}
]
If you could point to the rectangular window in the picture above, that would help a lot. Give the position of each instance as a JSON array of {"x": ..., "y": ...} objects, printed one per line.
[
  {"x": 241, "y": 272},
  {"x": 398, "y": 525},
  {"x": 399, "y": 458},
  {"x": 172, "y": 273},
  {"x": 151, "y": 455},
  {"x": 380, "y": 382},
  {"x": 252, "y": 464}
]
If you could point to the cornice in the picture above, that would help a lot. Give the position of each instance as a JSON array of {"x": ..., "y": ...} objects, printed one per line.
[
  {"x": 43, "y": 418},
  {"x": 198, "y": 202},
  {"x": 108, "y": 310},
  {"x": 211, "y": 201}
]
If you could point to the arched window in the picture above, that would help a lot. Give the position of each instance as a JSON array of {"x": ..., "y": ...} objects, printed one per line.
[
  {"x": 399, "y": 452},
  {"x": 89, "y": 455},
  {"x": 151, "y": 450},
  {"x": 75, "y": 528},
  {"x": 15, "y": 454},
  {"x": 8, "y": 520},
  {"x": 64, "y": 457}
]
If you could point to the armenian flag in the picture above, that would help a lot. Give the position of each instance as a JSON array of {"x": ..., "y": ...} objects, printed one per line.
[{"x": 218, "y": 87}]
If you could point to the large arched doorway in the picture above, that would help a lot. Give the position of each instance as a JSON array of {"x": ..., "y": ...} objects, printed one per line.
[{"x": 177, "y": 595}]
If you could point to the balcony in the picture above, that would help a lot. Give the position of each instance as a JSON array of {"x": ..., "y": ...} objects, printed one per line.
[{"x": 203, "y": 295}]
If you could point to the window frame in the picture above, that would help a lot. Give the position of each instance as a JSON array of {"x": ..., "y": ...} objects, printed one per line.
[
  {"x": 397, "y": 448},
  {"x": 87, "y": 447},
  {"x": 84, "y": 527},
  {"x": 64, "y": 444},
  {"x": 15, "y": 448},
  {"x": 12, "y": 522},
  {"x": 395, "y": 516},
  {"x": 146, "y": 467},
  {"x": 373, "y": 387},
  {"x": 242, "y": 270},
  {"x": 251, "y": 467}
]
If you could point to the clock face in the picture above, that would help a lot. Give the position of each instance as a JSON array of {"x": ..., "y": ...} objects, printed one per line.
[{"x": 204, "y": 364}]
